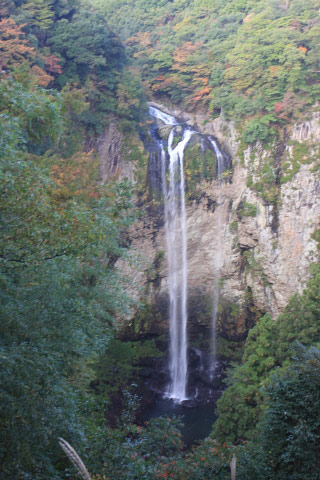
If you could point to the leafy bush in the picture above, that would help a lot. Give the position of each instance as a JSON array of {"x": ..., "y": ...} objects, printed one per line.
[{"x": 259, "y": 129}]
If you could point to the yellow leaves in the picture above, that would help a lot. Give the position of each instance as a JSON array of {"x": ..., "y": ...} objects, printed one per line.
[
  {"x": 14, "y": 48},
  {"x": 244, "y": 82},
  {"x": 232, "y": 72},
  {"x": 182, "y": 54},
  {"x": 186, "y": 23},
  {"x": 275, "y": 70},
  {"x": 142, "y": 38}
]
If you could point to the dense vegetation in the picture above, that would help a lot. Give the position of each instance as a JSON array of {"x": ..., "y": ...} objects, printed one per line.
[
  {"x": 252, "y": 60},
  {"x": 71, "y": 48},
  {"x": 270, "y": 412},
  {"x": 60, "y": 235},
  {"x": 65, "y": 75},
  {"x": 61, "y": 229},
  {"x": 268, "y": 350}
]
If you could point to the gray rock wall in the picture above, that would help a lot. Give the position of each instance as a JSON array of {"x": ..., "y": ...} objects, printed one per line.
[{"x": 265, "y": 239}]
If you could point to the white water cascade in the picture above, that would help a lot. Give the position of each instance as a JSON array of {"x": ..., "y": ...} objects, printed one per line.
[
  {"x": 217, "y": 263},
  {"x": 173, "y": 188},
  {"x": 176, "y": 233},
  {"x": 176, "y": 236},
  {"x": 164, "y": 117}
]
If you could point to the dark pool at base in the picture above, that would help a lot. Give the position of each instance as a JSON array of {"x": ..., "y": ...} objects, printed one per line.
[{"x": 197, "y": 420}]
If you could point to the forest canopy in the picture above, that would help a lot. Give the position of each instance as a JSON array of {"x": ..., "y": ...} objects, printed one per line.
[
  {"x": 61, "y": 68},
  {"x": 68, "y": 70},
  {"x": 251, "y": 60}
]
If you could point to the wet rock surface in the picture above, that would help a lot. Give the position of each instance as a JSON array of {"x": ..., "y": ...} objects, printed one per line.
[
  {"x": 197, "y": 412},
  {"x": 205, "y": 384},
  {"x": 268, "y": 244}
]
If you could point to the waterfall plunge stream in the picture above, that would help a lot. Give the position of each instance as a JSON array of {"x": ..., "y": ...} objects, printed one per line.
[
  {"x": 217, "y": 264},
  {"x": 173, "y": 189},
  {"x": 176, "y": 234}
]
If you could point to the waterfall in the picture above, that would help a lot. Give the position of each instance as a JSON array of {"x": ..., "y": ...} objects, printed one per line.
[
  {"x": 176, "y": 237},
  {"x": 176, "y": 233},
  {"x": 173, "y": 188},
  {"x": 220, "y": 157},
  {"x": 217, "y": 262},
  {"x": 164, "y": 117}
]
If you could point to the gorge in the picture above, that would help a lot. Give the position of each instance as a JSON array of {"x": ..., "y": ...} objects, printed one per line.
[
  {"x": 257, "y": 274},
  {"x": 160, "y": 240},
  {"x": 234, "y": 237}
]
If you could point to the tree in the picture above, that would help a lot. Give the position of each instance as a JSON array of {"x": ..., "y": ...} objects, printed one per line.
[
  {"x": 268, "y": 348},
  {"x": 92, "y": 56},
  {"x": 39, "y": 13},
  {"x": 287, "y": 443},
  {"x": 59, "y": 290},
  {"x": 87, "y": 46},
  {"x": 14, "y": 47}
]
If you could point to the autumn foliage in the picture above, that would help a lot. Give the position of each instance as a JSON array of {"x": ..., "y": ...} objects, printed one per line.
[
  {"x": 240, "y": 58},
  {"x": 15, "y": 50},
  {"x": 14, "y": 47}
]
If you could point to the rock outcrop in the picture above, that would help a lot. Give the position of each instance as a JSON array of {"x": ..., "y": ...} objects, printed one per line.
[{"x": 262, "y": 224}]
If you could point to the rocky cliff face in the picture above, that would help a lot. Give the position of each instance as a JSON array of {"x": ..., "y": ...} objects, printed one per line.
[{"x": 262, "y": 224}]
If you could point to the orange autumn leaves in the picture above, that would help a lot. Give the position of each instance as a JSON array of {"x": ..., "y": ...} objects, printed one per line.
[
  {"x": 77, "y": 177},
  {"x": 178, "y": 70},
  {"x": 15, "y": 50},
  {"x": 186, "y": 73},
  {"x": 14, "y": 47}
]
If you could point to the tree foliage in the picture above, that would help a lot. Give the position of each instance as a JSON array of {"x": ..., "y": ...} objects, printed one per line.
[
  {"x": 14, "y": 47},
  {"x": 61, "y": 235},
  {"x": 287, "y": 438},
  {"x": 65, "y": 74},
  {"x": 66, "y": 44},
  {"x": 241, "y": 58},
  {"x": 59, "y": 290},
  {"x": 268, "y": 348}
]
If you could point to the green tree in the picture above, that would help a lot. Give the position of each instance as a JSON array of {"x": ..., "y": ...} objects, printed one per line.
[
  {"x": 287, "y": 442},
  {"x": 268, "y": 347},
  {"x": 59, "y": 290},
  {"x": 39, "y": 13},
  {"x": 92, "y": 56}
]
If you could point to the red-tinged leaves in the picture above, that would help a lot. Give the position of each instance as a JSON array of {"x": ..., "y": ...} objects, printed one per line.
[
  {"x": 53, "y": 64},
  {"x": 43, "y": 79},
  {"x": 14, "y": 47}
]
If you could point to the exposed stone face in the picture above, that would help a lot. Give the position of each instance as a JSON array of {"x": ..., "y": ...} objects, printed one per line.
[
  {"x": 113, "y": 163},
  {"x": 266, "y": 246}
]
